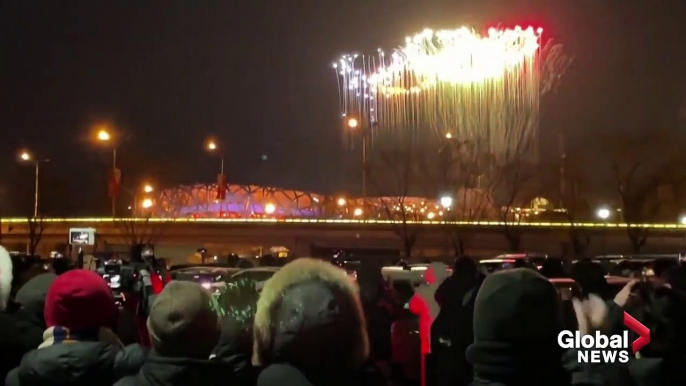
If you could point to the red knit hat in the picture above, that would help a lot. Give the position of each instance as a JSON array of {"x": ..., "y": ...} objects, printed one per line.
[{"x": 80, "y": 299}]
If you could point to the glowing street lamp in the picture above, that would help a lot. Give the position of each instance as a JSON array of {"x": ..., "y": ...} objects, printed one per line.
[
  {"x": 104, "y": 136},
  {"x": 270, "y": 208},
  {"x": 446, "y": 202},
  {"x": 431, "y": 215},
  {"x": 448, "y": 136},
  {"x": 147, "y": 188},
  {"x": 357, "y": 212},
  {"x": 212, "y": 146},
  {"x": 341, "y": 201},
  {"x": 603, "y": 213},
  {"x": 147, "y": 203},
  {"x": 26, "y": 156},
  {"x": 352, "y": 123},
  {"x": 683, "y": 220}
]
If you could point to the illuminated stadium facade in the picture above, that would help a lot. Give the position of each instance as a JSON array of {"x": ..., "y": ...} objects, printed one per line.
[{"x": 251, "y": 201}]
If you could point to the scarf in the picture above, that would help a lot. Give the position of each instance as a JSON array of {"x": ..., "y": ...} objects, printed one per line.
[{"x": 62, "y": 335}]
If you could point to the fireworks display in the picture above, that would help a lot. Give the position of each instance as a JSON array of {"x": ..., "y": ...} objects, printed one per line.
[{"x": 483, "y": 90}]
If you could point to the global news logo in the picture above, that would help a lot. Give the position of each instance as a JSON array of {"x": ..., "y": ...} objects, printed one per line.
[{"x": 600, "y": 348}]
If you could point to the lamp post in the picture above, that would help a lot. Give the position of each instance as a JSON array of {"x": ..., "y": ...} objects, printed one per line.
[
  {"x": 213, "y": 147},
  {"x": 353, "y": 125},
  {"x": 26, "y": 156},
  {"x": 105, "y": 136}
]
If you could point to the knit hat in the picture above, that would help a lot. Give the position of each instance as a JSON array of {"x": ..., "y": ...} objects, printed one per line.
[
  {"x": 80, "y": 299},
  {"x": 183, "y": 322},
  {"x": 518, "y": 305},
  {"x": 32, "y": 294},
  {"x": 517, "y": 318}
]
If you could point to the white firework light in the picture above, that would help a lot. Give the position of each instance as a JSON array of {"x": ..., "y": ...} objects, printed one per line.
[{"x": 482, "y": 90}]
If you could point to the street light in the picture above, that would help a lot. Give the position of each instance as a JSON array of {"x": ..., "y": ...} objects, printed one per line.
[
  {"x": 603, "y": 213},
  {"x": 448, "y": 136},
  {"x": 683, "y": 220},
  {"x": 147, "y": 203},
  {"x": 341, "y": 201},
  {"x": 358, "y": 212},
  {"x": 431, "y": 215},
  {"x": 148, "y": 188},
  {"x": 353, "y": 124},
  {"x": 270, "y": 208},
  {"x": 25, "y": 156},
  {"x": 446, "y": 202},
  {"x": 105, "y": 136},
  {"x": 212, "y": 146}
]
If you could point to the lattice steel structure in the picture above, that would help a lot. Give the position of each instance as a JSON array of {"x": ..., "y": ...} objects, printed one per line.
[{"x": 242, "y": 201}]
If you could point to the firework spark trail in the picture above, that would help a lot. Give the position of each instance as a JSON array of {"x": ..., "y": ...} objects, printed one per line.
[{"x": 482, "y": 90}]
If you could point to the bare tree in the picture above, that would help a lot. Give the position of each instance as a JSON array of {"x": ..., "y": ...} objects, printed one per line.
[
  {"x": 510, "y": 188},
  {"x": 572, "y": 197},
  {"x": 145, "y": 231},
  {"x": 458, "y": 178},
  {"x": 396, "y": 174},
  {"x": 36, "y": 227},
  {"x": 640, "y": 167}
]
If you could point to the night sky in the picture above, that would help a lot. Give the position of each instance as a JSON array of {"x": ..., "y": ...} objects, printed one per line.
[{"x": 257, "y": 74}]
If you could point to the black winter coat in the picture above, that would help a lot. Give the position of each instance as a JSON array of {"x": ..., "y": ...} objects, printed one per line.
[
  {"x": 159, "y": 371},
  {"x": 77, "y": 364}
]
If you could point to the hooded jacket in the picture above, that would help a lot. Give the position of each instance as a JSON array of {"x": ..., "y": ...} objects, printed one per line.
[
  {"x": 78, "y": 347},
  {"x": 516, "y": 324},
  {"x": 424, "y": 304},
  {"x": 22, "y": 330},
  {"x": 309, "y": 327},
  {"x": 6, "y": 276}
]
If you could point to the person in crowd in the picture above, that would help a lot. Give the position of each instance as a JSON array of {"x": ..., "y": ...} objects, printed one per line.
[
  {"x": 451, "y": 332},
  {"x": 29, "y": 318},
  {"x": 424, "y": 305},
  {"x": 79, "y": 346},
  {"x": 310, "y": 328},
  {"x": 184, "y": 328},
  {"x": 516, "y": 324},
  {"x": 237, "y": 304},
  {"x": 663, "y": 311},
  {"x": 10, "y": 338},
  {"x": 6, "y": 275},
  {"x": 553, "y": 268},
  {"x": 379, "y": 310},
  {"x": 590, "y": 276}
]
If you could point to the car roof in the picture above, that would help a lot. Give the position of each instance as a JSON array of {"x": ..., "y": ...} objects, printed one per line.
[
  {"x": 496, "y": 261},
  {"x": 521, "y": 256},
  {"x": 259, "y": 269},
  {"x": 561, "y": 280}
]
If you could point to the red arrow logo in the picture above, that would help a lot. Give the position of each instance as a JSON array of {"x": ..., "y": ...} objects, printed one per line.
[{"x": 642, "y": 331}]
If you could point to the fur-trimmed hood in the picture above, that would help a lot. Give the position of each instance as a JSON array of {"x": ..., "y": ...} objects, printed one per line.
[
  {"x": 309, "y": 315},
  {"x": 5, "y": 277}
]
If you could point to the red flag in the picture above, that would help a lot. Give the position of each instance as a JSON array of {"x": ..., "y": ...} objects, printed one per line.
[
  {"x": 113, "y": 182},
  {"x": 221, "y": 187}
]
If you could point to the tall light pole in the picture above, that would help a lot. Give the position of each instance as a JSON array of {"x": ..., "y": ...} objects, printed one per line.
[
  {"x": 353, "y": 125},
  {"x": 213, "y": 147},
  {"x": 26, "y": 156},
  {"x": 105, "y": 136}
]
